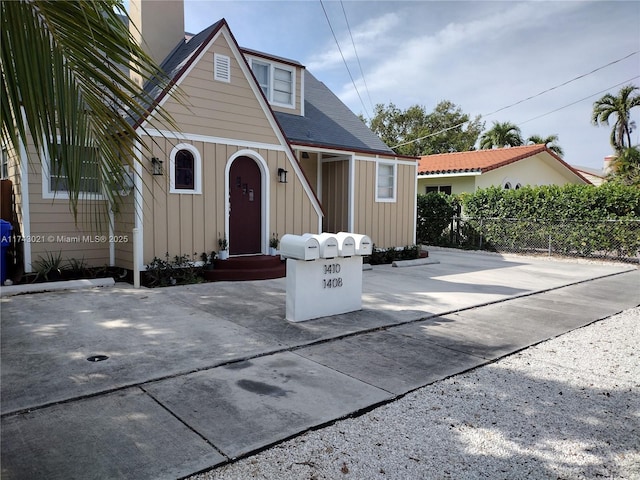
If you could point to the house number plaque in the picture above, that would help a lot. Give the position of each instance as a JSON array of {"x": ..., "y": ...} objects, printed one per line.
[{"x": 320, "y": 288}]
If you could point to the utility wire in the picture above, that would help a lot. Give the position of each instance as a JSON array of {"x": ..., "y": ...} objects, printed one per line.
[
  {"x": 565, "y": 83},
  {"x": 357, "y": 57},
  {"x": 578, "y": 101},
  {"x": 520, "y": 123},
  {"x": 344, "y": 60},
  {"x": 534, "y": 96}
]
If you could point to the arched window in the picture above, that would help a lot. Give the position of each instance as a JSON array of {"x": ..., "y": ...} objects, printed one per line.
[{"x": 185, "y": 169}]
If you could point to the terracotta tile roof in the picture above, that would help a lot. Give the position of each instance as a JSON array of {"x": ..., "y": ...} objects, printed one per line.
[{"x": 480, "y": 161}]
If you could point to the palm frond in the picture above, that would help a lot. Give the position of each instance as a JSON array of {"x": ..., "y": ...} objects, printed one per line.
[{"x": 66, "y": 85}]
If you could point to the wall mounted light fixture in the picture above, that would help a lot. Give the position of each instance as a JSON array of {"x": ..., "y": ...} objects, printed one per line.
[
  {"x": 282, "y": 175},
  {"x": 157, "y": 166},
  {"x": 305, "y": 155}
]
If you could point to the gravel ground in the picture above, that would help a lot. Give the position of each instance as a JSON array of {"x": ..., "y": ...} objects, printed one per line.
[{"x": 567, "y": 408}]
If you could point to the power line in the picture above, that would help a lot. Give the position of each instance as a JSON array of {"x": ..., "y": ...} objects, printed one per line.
[
  {"x": 521, "y": 123},
  {"x": 344, "y": 60},
  {"x": 578, "y": 101},
  {"x": 357, "y": 57},
  {"x": 534, "y": 96},
  {"x": 565, "y": 83}
]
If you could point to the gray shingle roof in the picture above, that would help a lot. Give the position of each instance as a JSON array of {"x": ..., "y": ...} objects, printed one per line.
[
  {"x": 179, "y": 57},
  {"x": 328, "y": 122}
]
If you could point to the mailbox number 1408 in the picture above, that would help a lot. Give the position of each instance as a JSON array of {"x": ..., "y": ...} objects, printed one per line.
[{"x": 332, "y": 282}]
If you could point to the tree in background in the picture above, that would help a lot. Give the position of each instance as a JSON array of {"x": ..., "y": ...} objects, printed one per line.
[
  {"x": 549, "y": 141},
  {"x": 415, "y": 132},
  {"x": 626, "y": 167},
  {"x": 619, "y": 106},
  {"x": 63, "y": 88},
  {"x": 502, "y": 134}
]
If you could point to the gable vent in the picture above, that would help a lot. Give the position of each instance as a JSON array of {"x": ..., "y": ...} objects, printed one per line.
[{"x": 221, "y": 68}]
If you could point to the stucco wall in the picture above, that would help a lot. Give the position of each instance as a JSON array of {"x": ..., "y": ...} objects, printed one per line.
[
  {"x": 540, "y": 169},
  {"x": 457, "y": 184}
]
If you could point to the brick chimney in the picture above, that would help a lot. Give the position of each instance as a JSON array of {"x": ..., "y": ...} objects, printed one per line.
[{"x": 160, "y": 25}]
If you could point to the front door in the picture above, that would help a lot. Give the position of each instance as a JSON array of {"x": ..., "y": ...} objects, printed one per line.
[{"x": 245, "y": 213}]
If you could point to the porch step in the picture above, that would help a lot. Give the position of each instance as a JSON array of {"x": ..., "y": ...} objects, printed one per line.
[{"x": 254, "y": 267}]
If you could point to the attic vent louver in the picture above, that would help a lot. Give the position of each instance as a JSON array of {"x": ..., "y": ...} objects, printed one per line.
[{"x": 221, "y": 68}]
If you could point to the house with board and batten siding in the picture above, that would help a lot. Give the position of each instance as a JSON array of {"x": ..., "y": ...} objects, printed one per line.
[{"x": 245, "y": 121}]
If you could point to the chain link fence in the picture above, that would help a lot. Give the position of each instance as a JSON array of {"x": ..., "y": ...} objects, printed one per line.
[{"x": 612, "y": 239}]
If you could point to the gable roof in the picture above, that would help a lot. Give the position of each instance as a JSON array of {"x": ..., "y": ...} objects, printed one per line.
[
  {"x": 482, "y": 161},
  {"x": 175, "y": 65},
  {"x": 327, "y": 122},
  {"x": 179, "y": 62}
]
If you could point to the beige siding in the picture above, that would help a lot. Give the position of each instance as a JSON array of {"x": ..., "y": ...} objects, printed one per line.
[
  {"x": 181, "y": 224},
  {"x": 220, "y": 109},
  {"x": 53, "y": 228},
  {"x": 310, "y": 168},
  {"x": 389, "y": 224},
  {"x": 335, "y": 196},
  {"x": 124, "y": 221}
]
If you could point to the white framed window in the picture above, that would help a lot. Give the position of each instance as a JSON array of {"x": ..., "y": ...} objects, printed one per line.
[
  {"x": 277, "y": 82},
  {"x": 386, "y": 182},
  {"x": 5, "y": 164},
  {"x": 185, "y": 170},
  {"x": 439, "y": 188},
  {"x": 55, "y": 179},
  {"x": 262, "y": 72},
  {"x": 221, "y": 68}
]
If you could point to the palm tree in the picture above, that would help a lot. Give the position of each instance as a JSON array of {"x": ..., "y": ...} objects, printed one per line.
[
  {"x": 626, "y": 166},
  {"x": 549, "y": 142},
  {"x": 64, "y": 88},
  {"x": 505, "y": 134},
  {"x": 619, "y": 106}
]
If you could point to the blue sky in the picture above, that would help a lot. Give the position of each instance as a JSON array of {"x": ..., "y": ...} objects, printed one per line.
[{"x": 481, "y": 55}]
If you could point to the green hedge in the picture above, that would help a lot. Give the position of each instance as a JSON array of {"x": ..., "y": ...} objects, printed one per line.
[
  {"x": 575, "y": 219},
  {"x": 434, "y": 216},
  {"x": 553, "y": 203}
]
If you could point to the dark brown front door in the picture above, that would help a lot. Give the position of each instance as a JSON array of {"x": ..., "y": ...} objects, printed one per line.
[{"x": 245, "y": 216}]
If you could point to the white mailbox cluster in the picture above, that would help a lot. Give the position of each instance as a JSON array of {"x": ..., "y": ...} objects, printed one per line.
[{"x": 324, "y": 273}]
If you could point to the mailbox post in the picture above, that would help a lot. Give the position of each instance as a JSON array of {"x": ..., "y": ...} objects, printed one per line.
[{"x": 327, "y": 284}]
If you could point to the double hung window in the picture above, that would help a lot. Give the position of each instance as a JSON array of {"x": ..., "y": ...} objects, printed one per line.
[{"x": 276, "y": 82}]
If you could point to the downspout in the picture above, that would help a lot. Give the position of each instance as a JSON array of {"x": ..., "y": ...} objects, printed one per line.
[
  {"x": 112, "y": 245},
  {"x": 352, "y": 194},
  {"x": 319, "y": 186},
  {"x": 26, "y": 215},
  {"x": 138, "y": 220}
]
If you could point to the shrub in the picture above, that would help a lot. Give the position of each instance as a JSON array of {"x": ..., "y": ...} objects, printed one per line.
[
  {"x": 381, "y": 256},
  {"x": 167, "y": 272},
  {"x": 435, "y": 210},
  {"x": 575, "y": 219}
]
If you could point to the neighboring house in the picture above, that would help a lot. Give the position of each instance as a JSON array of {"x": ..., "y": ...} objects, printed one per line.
[
  {"x": 511, "y": 167},
  {"x": 595, "y": 176},
  {"x": 247, "y": 120}
]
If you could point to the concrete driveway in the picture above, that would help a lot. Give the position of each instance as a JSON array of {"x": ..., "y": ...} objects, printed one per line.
[{"x": 198, "y": 375}]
